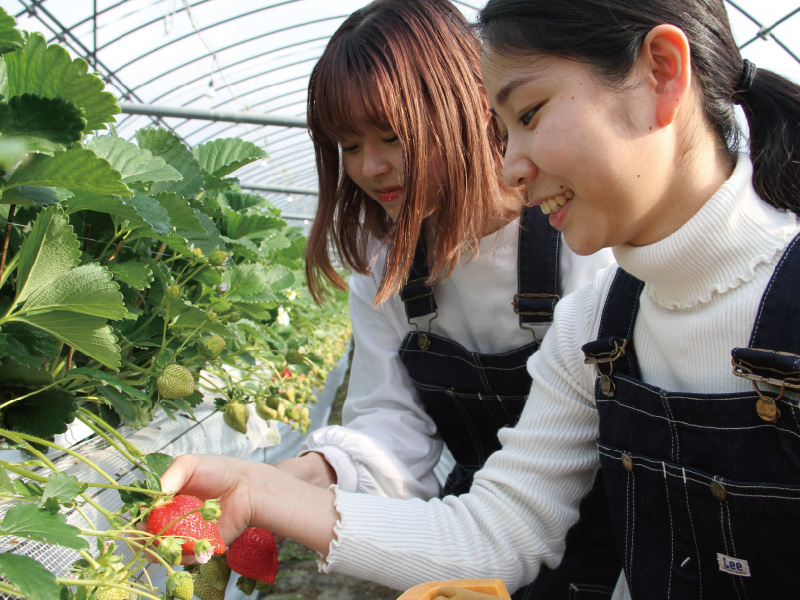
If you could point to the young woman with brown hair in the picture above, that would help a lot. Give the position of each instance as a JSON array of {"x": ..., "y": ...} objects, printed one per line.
[{"x": 454, "y": 280}]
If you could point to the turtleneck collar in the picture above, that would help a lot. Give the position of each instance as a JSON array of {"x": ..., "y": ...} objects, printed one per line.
[{"x": 716, "y": 250}]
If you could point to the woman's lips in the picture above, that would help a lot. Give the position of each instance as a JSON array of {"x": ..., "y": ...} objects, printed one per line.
[{"x": 390, "y": 194}]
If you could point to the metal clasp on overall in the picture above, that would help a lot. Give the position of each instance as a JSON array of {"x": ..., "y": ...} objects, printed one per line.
[
  {"x": 533, "y": 313},
  {"x": 606, "y": 383},
  {"x": 424, "y": 338},
  {"x": 781, "y": 369}
]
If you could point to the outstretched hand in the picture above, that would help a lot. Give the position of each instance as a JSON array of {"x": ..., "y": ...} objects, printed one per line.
[
  {"x": 253, "y": 494},
  {"x": 212, "y": 476}
]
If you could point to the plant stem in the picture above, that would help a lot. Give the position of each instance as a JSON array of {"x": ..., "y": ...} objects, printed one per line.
[
  {"x": 11, "y": 210},
  {"x": 89, "y": 419},
  {"x": 33, "y": 393}
]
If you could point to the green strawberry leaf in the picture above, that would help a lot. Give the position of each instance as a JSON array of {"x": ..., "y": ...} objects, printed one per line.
[
  {"x": 75, "y": 169},
  {"x": 87, "y": 289},
  {"x": 136, "y": 165},
  {"x": 43, "y": 414},
  {"x": 12, "y": 372},
  {"x": 106, "y": 379},
  {"x": 149, "y": 210},
  {"x": 10, "y": 38},
  {"x": 28, "y": 577},
  {"x": 49, "y": 71},
  {"x": 28, "y": 521},
  {"x": 110, "y": 205},
  {"x": 252, "y": 226},
  {"x": 30, "y": 195},
  {"x": 88, "y": 334},
  {"x": 194, "y": 318},
  {"x": 50, "y": 249},
  {"x": 274, "y": 240},
  {"x": 248, "y": 283},
  {"x": 240, "y": 202},
  {"x": 134, "y": 273},
  {"x": 222, "y": 157},
  {"x": 169, "y": 146},
  {"x": 158, "y": 462},
  {"x": 45, "y": 125},
  {"x": 181, "y": 214},
  {"x": 28, "y": 346},
  {"x": 62, "y": 488}
]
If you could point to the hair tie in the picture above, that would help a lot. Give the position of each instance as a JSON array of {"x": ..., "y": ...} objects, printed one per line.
[{"x": 749, "y": 71}]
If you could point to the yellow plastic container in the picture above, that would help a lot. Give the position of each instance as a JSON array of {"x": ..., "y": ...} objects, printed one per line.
[{"x": 427, "y": 591}]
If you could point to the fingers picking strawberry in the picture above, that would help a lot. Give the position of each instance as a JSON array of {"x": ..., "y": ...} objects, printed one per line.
[
  {"x": 254, "y": 554},
  {"x": 175, "y": 518}
]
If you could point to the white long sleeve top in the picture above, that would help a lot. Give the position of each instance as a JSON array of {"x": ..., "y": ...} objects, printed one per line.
[
  {"x": 388, "y": 445},
  {"x": 703, "y": 283}
]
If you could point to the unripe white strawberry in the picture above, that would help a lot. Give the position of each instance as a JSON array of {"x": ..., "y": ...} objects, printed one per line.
[
  {"x": 175, "y": 381},
  {"x": 212, "y": 346}
]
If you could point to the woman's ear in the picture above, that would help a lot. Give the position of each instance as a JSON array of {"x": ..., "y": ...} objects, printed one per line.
[{"x": 668, "y": 58}]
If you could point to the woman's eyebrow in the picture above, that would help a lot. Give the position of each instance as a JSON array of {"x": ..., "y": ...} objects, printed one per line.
[{"x": 507, "y": 89}]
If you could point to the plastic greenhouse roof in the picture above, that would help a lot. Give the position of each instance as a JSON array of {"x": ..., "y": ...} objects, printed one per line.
[{"x": 250, "y": 56}]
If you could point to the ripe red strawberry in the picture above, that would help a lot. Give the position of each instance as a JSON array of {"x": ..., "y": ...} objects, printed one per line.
[
  {"x": 191, "y": 527},
  {"x": 254, "y": 554}
]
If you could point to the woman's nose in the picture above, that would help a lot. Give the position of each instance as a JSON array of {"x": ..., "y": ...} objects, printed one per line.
[
  {"x": 518, "y": 169},
  {"x": 375, "y": 164}
]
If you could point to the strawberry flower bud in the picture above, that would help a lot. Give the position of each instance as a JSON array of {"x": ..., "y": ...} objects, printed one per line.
[
  {"x": 203, "y": 551},
  {"x": 170, "y": 549},
  {"x": 211, "y": 510}
]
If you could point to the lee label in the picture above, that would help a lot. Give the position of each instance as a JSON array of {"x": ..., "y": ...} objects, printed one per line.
[{"x": 734, "y": 566}]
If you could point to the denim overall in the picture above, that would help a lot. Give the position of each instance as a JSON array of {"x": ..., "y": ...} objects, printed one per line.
[
  {"x": 704, "y": 489},
  {"x": 470, "y": 396}
]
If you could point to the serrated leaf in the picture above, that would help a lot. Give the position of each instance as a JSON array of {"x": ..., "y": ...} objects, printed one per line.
[
  {"x": 43, "y": 414},
  {"x": 12, "y": 372},
  {"x": 134, "y": 273},
  {"x": 10, "y": 37},
  {"x": 28, "y": 196},
  {"x": 110, "y": 205},
  {"x": 5, "y": 481},
  {"x": 28, "y": 521},
  {"x": 248, "y": 283},
  {"x": 62, "y": 488},
  {"x": 158, "y": 462},
  {"x": 222, "y": 157},
  {"x": 280, "y": 277},
  {"x": 274, "y": 240},
  {"x": 29, "y": 577},
  {"x": 240, "y": 202},
  {"x": 107, "y": 379},
  {"x": 50, "y": 249},
  {"x": 27, "y": 345},
  {"x": 249, "y": 225},
  {"x": 182, "y": 216},
  {"x": 194, "y": 318},
  {"x": 76, "y": 169},
  {"x": 149, "y": 209},
  {"x": 136, "y": 165},
  {"x": 49, "y": 71},
  {"x": 87, "y": 289},
  {"x": 44, "y": 125},
  {"x": 87, "y": 334},
  {"x": 169, "y": 146}
]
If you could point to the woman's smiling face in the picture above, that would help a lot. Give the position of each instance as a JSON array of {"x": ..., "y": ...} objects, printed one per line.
[{"x": 591, "y": 157}]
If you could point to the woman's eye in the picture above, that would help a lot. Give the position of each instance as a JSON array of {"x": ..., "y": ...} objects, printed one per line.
[
  {"x": 526, "y": 117},
  {"x": 349, "y": 148},
  {"x": 391, "y": 139}
]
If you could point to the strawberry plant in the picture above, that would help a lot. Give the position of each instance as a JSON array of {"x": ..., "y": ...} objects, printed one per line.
[{"x": 136, "y": 276}]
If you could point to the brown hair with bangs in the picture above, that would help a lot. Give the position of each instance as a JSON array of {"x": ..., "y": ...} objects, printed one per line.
[{"x": 414, "y": 65}]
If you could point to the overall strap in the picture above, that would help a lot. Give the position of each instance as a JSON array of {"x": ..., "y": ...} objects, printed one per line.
[
  {"x": 612, "y": 352},
  {"x": 773, "y": 354},
  {"x": 416, "y": 294},
  {"x": 538, "y": 285}
]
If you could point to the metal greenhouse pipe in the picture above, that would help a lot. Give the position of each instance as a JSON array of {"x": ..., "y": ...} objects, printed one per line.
[
  {"x": 183, "y": 112},
  {"x": 280, "y": 189}
]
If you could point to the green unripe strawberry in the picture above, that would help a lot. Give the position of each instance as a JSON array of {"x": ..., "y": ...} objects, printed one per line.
[
  {"x": 112, "y": 593},
  {"x": 262, "y": 587},
  {"x": 175, "y": 381},
  {"x": 212, "y": 316},
  {"x": 198, "y": 252},
  {"x": 212, "y": 346},
  {"x": 236, "y": 416},
  {"x": 246, "y": 585},
  {"x": 290, "y": 395},
  {"x": 295, "y": 357},
  {"x": 218, "y": 258},
  {"x": 180, "y": 586},
  {"x": 265, "y": 411},
  {"x": 211, "y": 579},
  {"x": 173, "y": 292}
]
